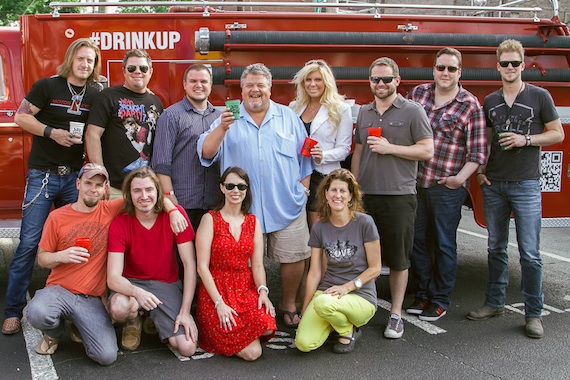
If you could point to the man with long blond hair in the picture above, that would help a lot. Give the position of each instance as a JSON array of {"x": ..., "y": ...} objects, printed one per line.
[{"x": 48, "y": 112}]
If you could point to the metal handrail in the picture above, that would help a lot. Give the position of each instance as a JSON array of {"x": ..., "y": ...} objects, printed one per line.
[{"x": 335, "y": 5}]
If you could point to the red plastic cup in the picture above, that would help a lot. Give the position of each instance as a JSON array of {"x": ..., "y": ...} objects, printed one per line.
[
  {"x": 375, "y": 131},
  {"x": 84, "y": 243},
  {"x": 307, "y": 146}
]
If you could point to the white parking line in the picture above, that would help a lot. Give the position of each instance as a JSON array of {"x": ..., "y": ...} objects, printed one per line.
[
  {"x": 543, "y": 253},
  {"x": 41, "y": 366},
  {"x": 426, "y": 326}
]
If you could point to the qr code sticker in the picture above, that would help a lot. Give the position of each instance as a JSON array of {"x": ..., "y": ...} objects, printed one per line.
[{"x": 551, "y": 170}]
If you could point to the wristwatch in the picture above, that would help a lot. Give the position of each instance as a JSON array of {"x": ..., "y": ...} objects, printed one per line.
[{"x": 357, "y": 283}]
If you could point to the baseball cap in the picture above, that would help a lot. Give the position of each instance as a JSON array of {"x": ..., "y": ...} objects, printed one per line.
[{"x": 91, "y": 170}]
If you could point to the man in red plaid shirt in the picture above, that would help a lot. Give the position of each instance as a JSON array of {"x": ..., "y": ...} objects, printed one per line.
[{"x": 460, "y": 146}]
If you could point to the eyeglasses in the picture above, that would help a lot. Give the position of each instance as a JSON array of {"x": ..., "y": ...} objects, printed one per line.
[
  {"x": 451, "y": 69},
  {"x": 513, "y": 63},
  {"x": 377, "y": 80},
  {"x": 133, "y": 68},
  {"x": 319, "y": 62},
  {"x": 240, "y": 186}
]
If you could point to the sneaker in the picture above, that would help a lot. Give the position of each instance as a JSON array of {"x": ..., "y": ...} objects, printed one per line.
[
  {"x": 395, "y": 327},
  {"x": 485, "y": 312},
  {"x": 533, "y": 328},
  {"x": 417, "y": 307},
  {"x": 131, "y": 337},
  {"x": 432, "y": 313}
]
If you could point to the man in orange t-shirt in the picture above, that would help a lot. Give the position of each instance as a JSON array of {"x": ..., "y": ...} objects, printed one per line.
[{"x": 78, "y": 275}]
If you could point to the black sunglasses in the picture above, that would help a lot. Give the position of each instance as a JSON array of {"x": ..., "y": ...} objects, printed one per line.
[
  {"x": 377, "y": 80},
  {"x": 231, "y": 186},
  {"x": 133, "y": 68},
  {"x": 513, "y": 63},
  {"x": 451, "y": 69}
]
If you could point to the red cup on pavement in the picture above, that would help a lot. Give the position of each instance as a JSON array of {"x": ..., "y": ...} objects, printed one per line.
[
  {"x": 307, "y": 146},
  {"x": 84, "y": 243},
  {"x": 375, "y": 131}
]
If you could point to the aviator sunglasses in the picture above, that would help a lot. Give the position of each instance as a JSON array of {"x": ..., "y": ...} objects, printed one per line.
[
  {"x": 451, "y": 69},
  {"x": 231, "y": 186},
  {"x": 377, "y": 80},
  {"x": 133, "y": 68},
  {"x": 513, "y": 63},
  {"x": 319, "y": 62}
]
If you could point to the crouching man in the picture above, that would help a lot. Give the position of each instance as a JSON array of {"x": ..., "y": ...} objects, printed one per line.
[
  {"x": 77, "y": 280},
  {"x": 142, "y": 270}
]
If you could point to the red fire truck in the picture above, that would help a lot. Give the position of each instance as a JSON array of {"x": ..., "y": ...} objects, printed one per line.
[{"x": 228, "y": 36}]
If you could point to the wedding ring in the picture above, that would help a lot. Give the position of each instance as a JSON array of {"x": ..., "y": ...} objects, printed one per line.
[{"x": 227, "y": 320}]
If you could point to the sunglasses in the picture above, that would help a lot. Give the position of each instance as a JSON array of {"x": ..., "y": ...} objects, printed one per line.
[
  {"x": 319, "y": 62},
  {"x": 133, "y": 68},
  {"x": 377, "y": 80},
  {"x": 231, "y": 186},
  {"x": 513, "y": 63},
  {"x": 451, "y": 69}
]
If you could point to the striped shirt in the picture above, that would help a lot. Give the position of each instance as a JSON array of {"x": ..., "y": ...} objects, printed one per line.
[
  {"x": 174, "y": 154},
  {"x": 458, "y": 134}
]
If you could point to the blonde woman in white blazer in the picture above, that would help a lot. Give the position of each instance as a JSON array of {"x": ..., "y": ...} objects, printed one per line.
[{"x": 328, "y": 120}]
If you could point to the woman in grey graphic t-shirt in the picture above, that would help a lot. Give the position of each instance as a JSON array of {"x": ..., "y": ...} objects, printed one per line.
[{"x": 345, "y": 245}]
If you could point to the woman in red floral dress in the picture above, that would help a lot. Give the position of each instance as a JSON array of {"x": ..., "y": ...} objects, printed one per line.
[{"x": 234, "y": 313}]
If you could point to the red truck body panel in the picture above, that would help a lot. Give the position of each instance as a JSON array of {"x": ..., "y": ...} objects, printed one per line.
[{"x": 38, "y": 48}]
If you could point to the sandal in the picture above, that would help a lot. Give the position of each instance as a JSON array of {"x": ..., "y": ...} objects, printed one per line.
[
  {"x": 47, "y": 345},
  {"x": 291, "y": 315},
  {"x": 73, "y": 332},
  {"x": 345, "y": 348}
]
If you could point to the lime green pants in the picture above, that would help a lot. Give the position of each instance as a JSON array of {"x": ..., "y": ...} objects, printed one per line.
[{"x": 326, "y": 313}]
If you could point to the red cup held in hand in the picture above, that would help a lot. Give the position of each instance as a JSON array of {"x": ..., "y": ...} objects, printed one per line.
[
  {"x": 375, "y": 131},
  {"x": 84, "y": 243},
  {"x": 307, "y": 146}
]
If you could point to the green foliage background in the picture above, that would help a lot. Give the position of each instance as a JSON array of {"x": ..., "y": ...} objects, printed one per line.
[{"x": 10, "y": 10}]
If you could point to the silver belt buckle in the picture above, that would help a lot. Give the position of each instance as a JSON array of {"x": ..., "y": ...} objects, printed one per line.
[{"x": 63, "y": 170}]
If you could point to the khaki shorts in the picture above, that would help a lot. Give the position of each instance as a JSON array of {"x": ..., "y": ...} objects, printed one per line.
[
  {"x": 115, "y": 193},
  {"x": 291, "y": 244}
]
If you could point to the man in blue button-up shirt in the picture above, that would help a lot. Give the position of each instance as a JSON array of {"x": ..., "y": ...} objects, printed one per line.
[{"x": 265, "y": 141}]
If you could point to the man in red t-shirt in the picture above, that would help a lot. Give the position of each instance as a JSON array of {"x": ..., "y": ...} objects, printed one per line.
[{"x": 142, "y": 270}]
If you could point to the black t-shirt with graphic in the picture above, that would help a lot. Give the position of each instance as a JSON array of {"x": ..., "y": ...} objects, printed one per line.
[
  {"x": 53, "y": 97},
  {"x": 532, "y": 108},
  {"x": 129, "y": 119}
]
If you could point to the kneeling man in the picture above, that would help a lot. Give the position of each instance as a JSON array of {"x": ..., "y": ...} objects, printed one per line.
[
  {"x": 77, "y": 279},
  {"x": 142, "y": 270}
]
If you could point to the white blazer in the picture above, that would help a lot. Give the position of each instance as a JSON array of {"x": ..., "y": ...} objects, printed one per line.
[{"x": 335, "y": 147}]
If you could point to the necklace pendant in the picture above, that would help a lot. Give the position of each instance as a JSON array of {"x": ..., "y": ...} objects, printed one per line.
[{"x": 73, "y": 111}]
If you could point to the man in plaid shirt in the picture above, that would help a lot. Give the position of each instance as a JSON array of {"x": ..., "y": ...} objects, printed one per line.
[{"x": 460, "y": 146}]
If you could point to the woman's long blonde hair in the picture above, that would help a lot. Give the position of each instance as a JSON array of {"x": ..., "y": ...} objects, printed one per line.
[{"x": 331, "y": 99}]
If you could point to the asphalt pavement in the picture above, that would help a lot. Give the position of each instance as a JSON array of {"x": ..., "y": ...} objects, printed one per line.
[{"x": 451, "y": 348}]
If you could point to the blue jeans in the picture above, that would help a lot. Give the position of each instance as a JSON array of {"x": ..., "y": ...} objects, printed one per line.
[
  {"x": 523, "y": 199},
  {"x": 43, "y": 189},
  {"x": 437, "y": 218},
  {"x": 54, "y": 304}
]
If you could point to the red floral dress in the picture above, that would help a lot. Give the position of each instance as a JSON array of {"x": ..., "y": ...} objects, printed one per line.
[{"x": 229, "y": 267}]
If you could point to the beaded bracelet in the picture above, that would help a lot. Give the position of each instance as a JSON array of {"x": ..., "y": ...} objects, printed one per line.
[{"x": 217, "y": 302}]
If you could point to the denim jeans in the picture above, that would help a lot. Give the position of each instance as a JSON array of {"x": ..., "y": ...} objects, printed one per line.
[
  {"x": 54, "y": 304},
  {"x": 437, "y": 218},
  {"x": 523, "y": 199},
  {"x": 43, "y": 189}
]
